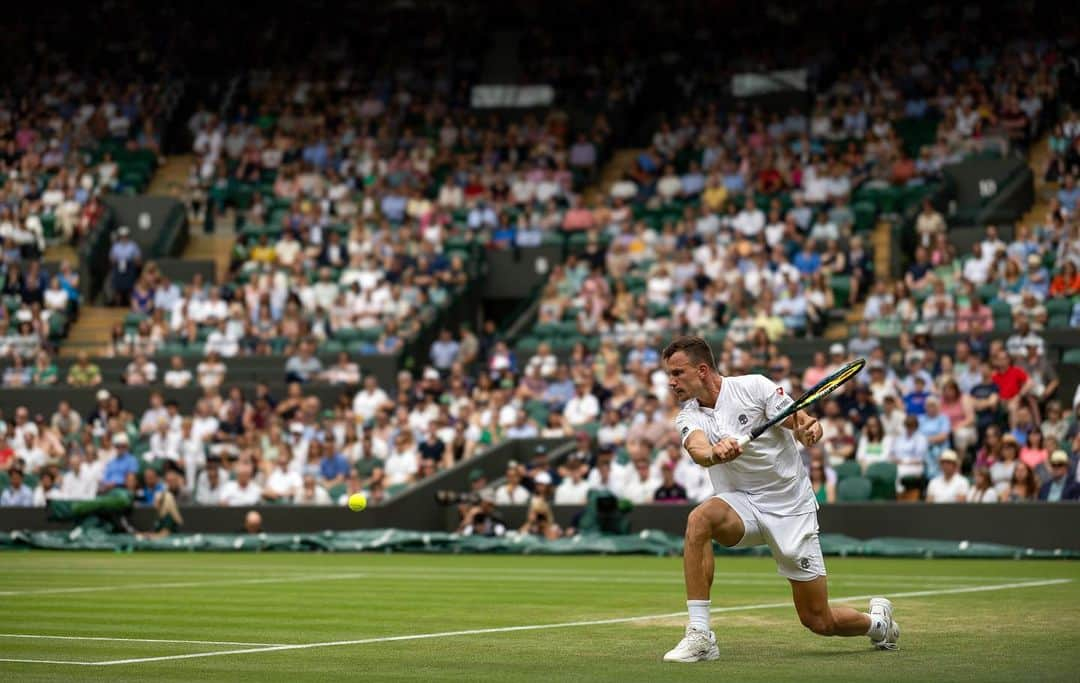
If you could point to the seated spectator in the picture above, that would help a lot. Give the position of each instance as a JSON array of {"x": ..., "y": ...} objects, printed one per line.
[
  {"x": 243, "y": 491},
  {"x": 909, "y": 452},
  {"x": 177, "y": 376},
  {"x": 669, "y": 491},
  {"x": 83, "y": 373},
  {"x": 1024, "y": 485},
  {"x": 937, "y": 429},
  {"x": 1059, "y": 486},
  {"x": 640, "y": 484},
  {"x": 512, "y": 492},
  {"x": 17, "y": 494},
  {"x": 982, "y": 491},
  {"x": 949, "y": 486}
]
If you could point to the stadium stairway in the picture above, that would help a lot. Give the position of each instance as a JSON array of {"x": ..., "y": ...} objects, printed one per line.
[
  {"x": 621, "y": 162},
  {"x": 1038, "y": 155},
  {"x": 91, "y": 331},
  {"x": 171, "y": 177}
]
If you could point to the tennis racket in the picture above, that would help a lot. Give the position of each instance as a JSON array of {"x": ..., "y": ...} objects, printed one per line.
[{"x": 812, "y": 396}]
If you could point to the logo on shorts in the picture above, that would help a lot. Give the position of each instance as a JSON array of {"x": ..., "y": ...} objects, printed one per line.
[
  {"x": 743, "y": 419},
  {"x": 805, "y": 563}
]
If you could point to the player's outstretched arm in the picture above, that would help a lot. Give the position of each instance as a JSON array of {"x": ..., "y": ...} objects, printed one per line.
[{"x": 706, "y": 454}]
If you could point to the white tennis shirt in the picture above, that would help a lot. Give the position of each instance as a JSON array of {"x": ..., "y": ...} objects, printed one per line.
[{"x": 770, "y": 469}]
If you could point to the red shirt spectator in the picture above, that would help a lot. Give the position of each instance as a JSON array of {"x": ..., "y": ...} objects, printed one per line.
[{"x": 1009, "y": 381}]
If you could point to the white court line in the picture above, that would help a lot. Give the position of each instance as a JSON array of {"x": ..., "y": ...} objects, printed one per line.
[
  {"x": 540, "y": 627},
  {"x": 185, "y": 584},
  {"x": 134, "y": 640}
]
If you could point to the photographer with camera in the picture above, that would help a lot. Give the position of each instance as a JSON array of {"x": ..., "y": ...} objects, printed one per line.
[
  {"x": 482, "y": 519},
  {"x": 540, "y": 521}
]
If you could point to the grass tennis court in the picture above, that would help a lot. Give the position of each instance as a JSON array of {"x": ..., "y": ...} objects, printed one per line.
[{"x": 241, "y": 617}]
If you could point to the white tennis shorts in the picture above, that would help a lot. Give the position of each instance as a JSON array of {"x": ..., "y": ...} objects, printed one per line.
[{"x": 793, "y": 539}]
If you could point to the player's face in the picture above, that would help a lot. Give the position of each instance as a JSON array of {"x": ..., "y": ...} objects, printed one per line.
[{"x": 683, "y": 378}]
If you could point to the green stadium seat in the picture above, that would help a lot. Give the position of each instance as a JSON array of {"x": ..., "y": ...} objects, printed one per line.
[
  {"x": 395, "y": 489},
  {"x": 854, "y": 490},
  {"x": 1055, "y": 307},
  {"x": 882, "y": 476},
  {"x": 337, "y": 491},
  {"x": 1071, "y": 357},
  {"x": 848, "y": 469}
]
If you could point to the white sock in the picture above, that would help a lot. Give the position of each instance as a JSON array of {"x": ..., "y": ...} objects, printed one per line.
[
  {"x": 699, "y": 613},
  {"x": 877, "y": 627}
]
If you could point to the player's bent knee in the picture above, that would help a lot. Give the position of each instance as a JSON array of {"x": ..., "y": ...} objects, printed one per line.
[{"x": 698, "y": 526}]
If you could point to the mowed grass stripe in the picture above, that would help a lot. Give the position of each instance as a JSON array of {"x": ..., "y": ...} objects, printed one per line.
[{"x": 301, "y": 563}]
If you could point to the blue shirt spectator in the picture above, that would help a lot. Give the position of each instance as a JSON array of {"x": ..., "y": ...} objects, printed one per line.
[
  {"x": 119, "y": 467},
  {"x": 934, "y": 425},
  {"x": 808, "y": 262},
  {"x": 333, "y": 465},
  {"x": 18, "y": 494},
  {"x": 393, "y": 207},
  {"x": 444, "y": 351}
]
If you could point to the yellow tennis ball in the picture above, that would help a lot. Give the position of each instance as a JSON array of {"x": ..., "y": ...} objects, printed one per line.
[{"x": 357, "y": 502}]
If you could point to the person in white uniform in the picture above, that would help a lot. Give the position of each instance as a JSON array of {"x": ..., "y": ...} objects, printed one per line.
[{"x": 762, "y": 496}]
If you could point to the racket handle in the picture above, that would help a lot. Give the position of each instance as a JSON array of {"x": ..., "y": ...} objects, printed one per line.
[{"x": 743, "y": 440}]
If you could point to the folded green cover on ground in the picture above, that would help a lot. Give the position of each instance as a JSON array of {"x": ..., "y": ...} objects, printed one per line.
[{"x": 649, "y": 542}]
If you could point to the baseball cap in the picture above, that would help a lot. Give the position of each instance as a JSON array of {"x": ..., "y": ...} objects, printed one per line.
[
  {"x": 542, "y": 478},
  {"x": 103, "y": 395},
  {"x": 121, "y": 438},
  {"x": 1033, "y": 260},
  {"x": 1059, "y": 457},
  {"x": 837, "y": 349},
  {"x": 949, "y": 455}
]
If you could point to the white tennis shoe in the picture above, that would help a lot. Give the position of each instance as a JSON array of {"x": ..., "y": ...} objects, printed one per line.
[
  {"x": 883, "y": 607},
  {"x": 696, "y": 646}
]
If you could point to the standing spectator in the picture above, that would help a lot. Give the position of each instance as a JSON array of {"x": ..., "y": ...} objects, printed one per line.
[
  {"x": 949, "y": 486},
  {"x": 125, "y": 258}
]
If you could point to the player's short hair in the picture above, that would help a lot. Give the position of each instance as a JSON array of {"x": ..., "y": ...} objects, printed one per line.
[{"x": 697, "y": 350}]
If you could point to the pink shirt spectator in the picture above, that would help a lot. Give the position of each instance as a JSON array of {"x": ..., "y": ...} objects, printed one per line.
[
  {"x": 975, "y": 319},
  {"x": 578, "y": 219}
]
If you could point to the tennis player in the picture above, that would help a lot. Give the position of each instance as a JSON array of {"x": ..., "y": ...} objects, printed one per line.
[{"x": 763, "y": 496}]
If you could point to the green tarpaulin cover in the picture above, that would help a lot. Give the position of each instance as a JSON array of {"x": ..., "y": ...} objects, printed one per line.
[{"x": 94, "y": 537}]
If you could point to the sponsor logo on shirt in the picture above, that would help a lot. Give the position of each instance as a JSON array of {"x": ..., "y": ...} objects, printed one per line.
[{"x": 743, "y": 419}]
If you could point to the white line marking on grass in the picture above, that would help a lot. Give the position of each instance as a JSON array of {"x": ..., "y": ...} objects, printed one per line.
[
  {"x": 187, "y": 584},
  {"x": 45, "y": 661},
  {"x": 568, "y": 624},
  {"x": 135, "y": 640}
]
